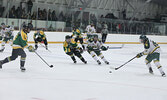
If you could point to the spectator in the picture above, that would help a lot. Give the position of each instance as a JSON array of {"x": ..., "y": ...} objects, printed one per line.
[
  {"x": 44, "y": 14},
  {"x": 124, "y": 14},
  {"x": 1, "y": 11},
  {"x": 99, "y": 26},
  {"x": 12, "y": 26},
  {"x": 30, "y": 25},
  {"x": 24, "y": 15},
  {"x": 18, "y": 12},
  {"x": 33, "y": 17},
  {"x": 61, "y": 16},
  {"x": 49, "y": 15},
  {"x": 22, "y": 25},
  {"x": 12, "y": 13},
  {"x": 30, "y": 5},
  {"x": 50, "y": 28},
  {"x": 39, "y": 13},
  {"x": 54, "y": 17},
  {"x": 101, "y": 16}
]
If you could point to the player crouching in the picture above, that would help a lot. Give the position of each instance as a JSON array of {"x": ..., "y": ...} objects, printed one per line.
[
  {"x": 94, "y": 48},
  {"x": 71, "y": 48},
  {"x": 152, "y": 50},
  {"x": 40, "y": 36}
]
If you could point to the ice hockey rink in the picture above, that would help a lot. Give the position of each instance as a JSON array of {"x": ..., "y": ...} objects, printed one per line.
[{"x": 69, "y": 81}]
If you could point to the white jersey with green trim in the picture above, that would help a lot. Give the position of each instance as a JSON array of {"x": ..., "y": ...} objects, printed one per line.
[
  {"x": 90, "y": 29},
  {"x": 7, "y": 32},
  {"x": 95, "y": 45},
  {"x": 151, "y": 47}
]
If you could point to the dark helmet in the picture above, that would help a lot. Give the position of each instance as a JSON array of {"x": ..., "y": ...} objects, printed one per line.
[
  {"x": 74, "y": 28},
  {"x": 95, "y": 35},
  {"x": 68, "y": 37},
  {"x": 26, "y": 28},
  {"x": 2, "y": 23},
  {"x": 143, "y": 38}
]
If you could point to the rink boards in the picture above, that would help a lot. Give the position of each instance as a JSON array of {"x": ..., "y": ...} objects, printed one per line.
[{"x": 59, "y": 37}]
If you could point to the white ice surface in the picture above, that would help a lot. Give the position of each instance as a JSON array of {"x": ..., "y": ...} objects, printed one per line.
[{"x": 68, "y": 81}]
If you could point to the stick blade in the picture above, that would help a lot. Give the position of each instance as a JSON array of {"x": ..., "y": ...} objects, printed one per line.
[
  {"x": 51, "y": 66},
  {"x": 116, "y": 68}
]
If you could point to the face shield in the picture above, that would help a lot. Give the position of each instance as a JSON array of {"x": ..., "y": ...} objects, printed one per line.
[
  {"x": 95, "y": 38},
  {"x": 141, "y": 40},
  {"x": 68, "y": 40},
  {"x": 3, "y": 26}
]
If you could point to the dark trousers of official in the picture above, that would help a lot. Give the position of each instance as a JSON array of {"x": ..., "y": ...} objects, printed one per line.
[
  {"x": 40, "y": 40},
  {"x": 104, "y": 36},
  {"x": 15, "y": 54}
]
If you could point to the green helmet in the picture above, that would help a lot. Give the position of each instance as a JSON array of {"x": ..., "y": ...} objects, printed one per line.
[
  {"x": 2, "y": 23},
  {"x": 68, "y": 37},
  {"x": 95, "y": 35},
  {"x": 143, "y": 38},
  {"x": 26, "y": 28}
]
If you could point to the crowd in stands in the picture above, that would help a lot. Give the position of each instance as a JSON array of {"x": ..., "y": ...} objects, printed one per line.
[
  {"x": 1, "y": 10},
  {"x": 51, "y": 15}
]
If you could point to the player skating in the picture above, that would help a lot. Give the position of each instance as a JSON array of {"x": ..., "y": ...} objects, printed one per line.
[
  {"x": 152, "y": 50},
  {"x": 39, "y": 36},
  {"x": 94, "y": 48},
  {"x": 19, "y": 43},
  {"x": 90, "y": 30},
  {"x": 71, "y": 48},
  {"x": 6, "y": 35},
  {"x": 77, "y": 35}
]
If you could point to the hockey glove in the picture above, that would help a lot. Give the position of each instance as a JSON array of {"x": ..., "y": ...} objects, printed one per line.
[
  {"x": 139, "y": 55},
  {"x": 104, "y": 48},
  {"x": 31, "y": 48},
  {"x": 80, "y": 49},
  {"x": 0, "y": 37}
]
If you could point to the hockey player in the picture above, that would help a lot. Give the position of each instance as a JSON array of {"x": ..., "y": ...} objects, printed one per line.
[
  {"x": 71, "y": 48},
  {"x": 19, "y": 43},
  {"x": 6, "y": 35},
  {"x": 152, "y": 50},
  {"x": 90, "y": 29},
  {"x": 94, "y": 48},
  {"x": 78, "y": 36},
  {"x": 40, "y": 36}
]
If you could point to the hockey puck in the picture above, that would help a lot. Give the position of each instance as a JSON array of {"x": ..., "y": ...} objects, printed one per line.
[
  {"x": 110, "y": 71},
  {"x": 51, "y": 66}
]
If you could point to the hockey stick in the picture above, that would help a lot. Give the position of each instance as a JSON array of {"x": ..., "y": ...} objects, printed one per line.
[
  {"x": 43, "y": 60},
  {"x": 44, "y": 47},
  {"x": 125, "y": 63},
  {"x": 116, "y": 47}
]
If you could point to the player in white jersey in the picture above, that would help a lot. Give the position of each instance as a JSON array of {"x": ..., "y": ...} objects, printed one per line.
[
  {"x": 152, "y": 50},
  {"x": 7, "y": 35},
  {"x": 94, "y": 48},
  {"x": 90, "y": 30}
]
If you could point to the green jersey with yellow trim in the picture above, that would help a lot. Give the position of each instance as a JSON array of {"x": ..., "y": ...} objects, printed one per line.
[
  {"x": 20, "y": 40},
  {"x": 68, "y": 46},
  {"x": 40, "y": 34},
  {"x": 77, "y": 33}
]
